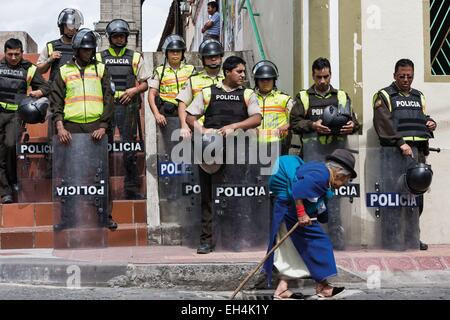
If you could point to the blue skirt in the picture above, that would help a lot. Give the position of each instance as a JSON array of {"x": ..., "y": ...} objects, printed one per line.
[{"x": 311, "y": 242}]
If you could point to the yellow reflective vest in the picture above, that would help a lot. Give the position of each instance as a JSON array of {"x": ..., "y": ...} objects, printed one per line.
[
  {"x": 275, "y": 115},
  {"x": 202, "y": 80},
  {"x": 171, "y": 81},
  {"x": 84, "y": 95}
]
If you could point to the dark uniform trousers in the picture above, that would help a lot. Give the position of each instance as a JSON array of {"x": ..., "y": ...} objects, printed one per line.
[
  {"x": 125, "y": 119},
  {"x": 73, "y": 127},
  {"x": 9, "y": 133}
]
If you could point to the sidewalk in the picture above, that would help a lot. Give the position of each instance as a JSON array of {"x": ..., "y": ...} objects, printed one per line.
[{"x": 181, "y": 267}]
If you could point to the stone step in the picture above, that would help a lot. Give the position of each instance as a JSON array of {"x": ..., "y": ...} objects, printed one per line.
[
  {"x": 22, "y": 215},
  {"x": 130, "y": 234}
]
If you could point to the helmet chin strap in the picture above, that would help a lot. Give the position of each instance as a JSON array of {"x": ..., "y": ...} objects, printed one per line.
[{"x": 213, "y": 66}]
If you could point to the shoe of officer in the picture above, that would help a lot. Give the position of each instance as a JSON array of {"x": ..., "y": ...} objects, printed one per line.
[
  {"x": 423, "y": 246},
  {"x": 111, "y": 224},
  {"x": 205, "y": 248},
  {"x": 7, "y": 198},
  {"x": 131, "y": 195}
]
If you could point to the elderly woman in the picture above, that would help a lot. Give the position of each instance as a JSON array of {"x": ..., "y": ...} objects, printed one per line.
[{"x": 301, "y": 191}]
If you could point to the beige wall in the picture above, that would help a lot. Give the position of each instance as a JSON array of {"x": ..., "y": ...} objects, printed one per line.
[
  {"x": 391, "y": 33},
  {"x": 276, "y": 28}
]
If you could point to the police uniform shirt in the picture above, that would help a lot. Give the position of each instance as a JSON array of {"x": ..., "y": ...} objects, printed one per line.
[
  {"x": 186, "y": 95},
  {"x": 198, "y": 108},
  {"x": 154, "y": 81},
  {"x": 383, "y": 122}
]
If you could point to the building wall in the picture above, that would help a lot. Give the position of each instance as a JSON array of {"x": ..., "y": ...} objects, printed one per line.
[
  {"x": 393, "y": 30},
  {"x": 130, "y": 11},
  {"x": 29, "y": 45}
]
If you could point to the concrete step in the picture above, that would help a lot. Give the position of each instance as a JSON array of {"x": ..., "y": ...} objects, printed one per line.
[{"x": 30, "y": 225}]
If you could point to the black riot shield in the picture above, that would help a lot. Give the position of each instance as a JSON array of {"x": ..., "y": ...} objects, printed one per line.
[
  {"x": 389, "y": 198},
  {"x": 80, "y": 192},
  {"x": 241, "y": 200},
  {"x": 346, "y": 200},
  {"x": 178, "y": 183},
  {"x": 127, "y": 153}
]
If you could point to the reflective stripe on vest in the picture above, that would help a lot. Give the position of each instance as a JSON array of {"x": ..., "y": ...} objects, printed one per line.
[
  {"x": 122, "y": 68},
  {"x": 407, "y": 113},
  {"x": 273, "y": 108},
  {"x": 84, "y": 95},
  {"x": 203, "y": 80},
  {"x": 173, "y": 81},
  {"x": 66, "y": 55},
  {"x": 19, "y": 80},
  {"x": 223, "y": 108}
]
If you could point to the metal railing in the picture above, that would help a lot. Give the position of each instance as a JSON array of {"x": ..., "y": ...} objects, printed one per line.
[{"x": 245, "y": 4}]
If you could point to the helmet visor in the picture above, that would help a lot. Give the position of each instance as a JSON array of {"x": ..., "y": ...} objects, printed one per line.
[{"x": 72, "y": 18}]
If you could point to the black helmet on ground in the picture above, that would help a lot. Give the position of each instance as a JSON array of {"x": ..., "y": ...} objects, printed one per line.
[
  {"x": 336, "y": 117},
  {"x": 418, "y": 178},
  {"x": 117, "y": 26},
  {"x": 70, "y": 17},
  {"x": 33, "y": 110},
  {"x": 265, "y": 69}
]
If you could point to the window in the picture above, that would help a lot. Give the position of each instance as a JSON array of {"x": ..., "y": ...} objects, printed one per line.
[{"x": 439, "y": 11}]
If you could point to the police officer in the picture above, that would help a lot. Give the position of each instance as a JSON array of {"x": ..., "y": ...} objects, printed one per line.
[
  {"x": 129, "y": 75},
  {"x": 211, "y": 52},
  {"x": 168, "y": 79},
  {"x": 85, "y": 103},
  {"x": 275, "y": 105},
  {"x": 306, "y": 115},
  {"x": 58, "y": 52},
  {"x": 226, "y": 107},
  {"x": 399, "y": 117},
  {"x": 17, "y": 75}
]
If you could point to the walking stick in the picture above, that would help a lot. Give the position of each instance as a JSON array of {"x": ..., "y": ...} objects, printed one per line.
[{"x": 265, "y": 258}]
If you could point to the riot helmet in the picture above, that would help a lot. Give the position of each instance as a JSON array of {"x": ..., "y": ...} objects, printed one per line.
[
  {"x": 118, "y": 26},
  {"x": 418, "y": 178},
  {"x": 71, "y": 18},
  {"x": 210, "y": 48},
  {"x": 85, "y": 39},
  {"x": 265, "y": 69},
  {"x": 175, "y": 43},
  {"x": 336, "y": 117},
  {"x": 33, "y": 110}
]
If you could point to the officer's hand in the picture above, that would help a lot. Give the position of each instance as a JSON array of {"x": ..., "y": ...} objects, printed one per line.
[
  {"x": 406, "y": 150},
  {"x": 185, "y": 132},
  {"x": 64, "y": 136},
  {"x": 160, "y": 120},
  {"x": 227, "y": 130},
  {"x": 319, "y": 128},
  {"x": 305, "y": 221},
  {"x": 36, "y": 94},
  {"x": 431, "y": 125},
  {"x": 99, "y": 133},
  {"x": 128, "y": 95},
  {"x": 55, "y": 55},
  {"x": 283, "y": 131},
  {"x": 348, "y": 128}
]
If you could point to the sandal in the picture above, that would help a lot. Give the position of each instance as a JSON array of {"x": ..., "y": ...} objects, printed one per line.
[
  {"x": 293, "y": 296},
  {"x": 335, "y": 292}
]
